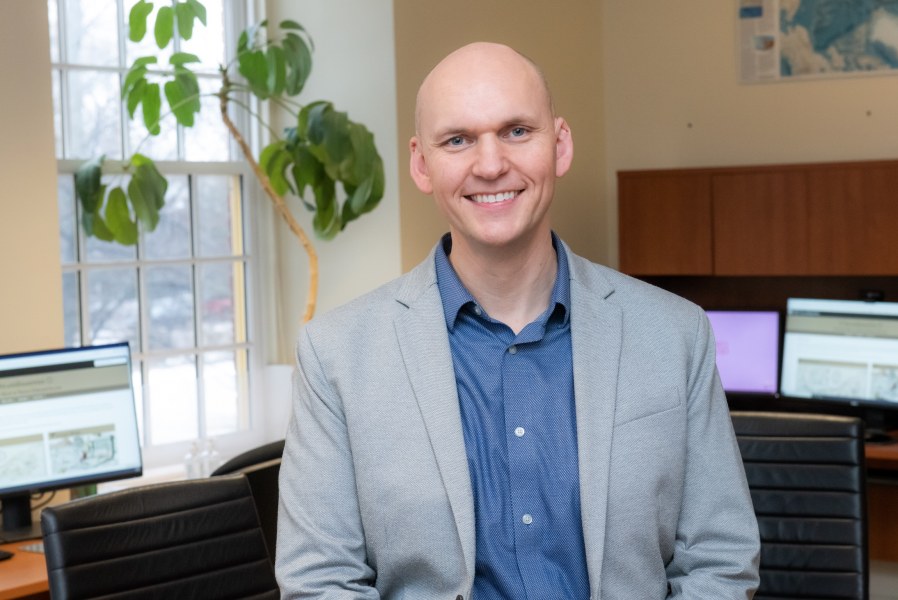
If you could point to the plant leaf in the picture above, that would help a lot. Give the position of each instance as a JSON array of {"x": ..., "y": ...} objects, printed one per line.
[
  {"x": 307, "y": 172},
  {"x": 152, "y": 107},
  {"x": 88, "y": 188},
  {"x": 165, "y": 26},
  {"x": 146, "y": 191},
  {"x": 137, "y": 20},
  {"x": 182, "y": 94},
  {"x": 326, "y": 222},
  {"x": 179, "y": 59},
  {"x": 118, "y": 219},
  {"x": 135, "y": 75},
  {"x": 97, "y": 227},
  {"x": 198, "y": 9},
  {"x": 253, "y": 65},
  {"x": 299, "y": 63},
  {"x": 277, "y": 70},
  {"x": 184, "y": 16},
  {"x": 274, "y": 160}
]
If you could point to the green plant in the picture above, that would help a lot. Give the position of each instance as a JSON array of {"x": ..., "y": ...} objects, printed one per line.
[{"x": 323, "y": 149}]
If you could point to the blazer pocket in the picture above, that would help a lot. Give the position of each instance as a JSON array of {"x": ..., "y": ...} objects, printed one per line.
[{"x": 634, "y": 405}]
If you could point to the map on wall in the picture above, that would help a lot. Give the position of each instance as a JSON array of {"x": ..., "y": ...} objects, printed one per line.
[{"x": 788, "y": 39}]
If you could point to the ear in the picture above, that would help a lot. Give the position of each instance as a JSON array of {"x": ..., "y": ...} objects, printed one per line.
[
  {"x": 417, "y": 166},
  {"x": 564, "y": 147}
]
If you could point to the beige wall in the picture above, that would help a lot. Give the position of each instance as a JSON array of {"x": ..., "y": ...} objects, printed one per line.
[
  {"x": 564, "y": 38},
  {"x": 353, "y": 67},
  {"x": 673, "y": 99},
  {"x": 30, "y": 275}
]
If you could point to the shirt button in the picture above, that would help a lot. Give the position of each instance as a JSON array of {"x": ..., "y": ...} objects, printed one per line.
[
  {"x": 519, "y": 431},
  {"x": 527, "y": 519},
  {"x": 477, "y": 310},
  {"x": 513, "y": 350}
]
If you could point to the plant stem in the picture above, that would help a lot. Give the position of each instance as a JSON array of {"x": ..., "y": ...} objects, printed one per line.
[{"x": 279, "y": 204}]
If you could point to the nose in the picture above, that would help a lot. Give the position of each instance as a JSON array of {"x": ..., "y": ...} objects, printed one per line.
[{"x": 490, "y": 161}]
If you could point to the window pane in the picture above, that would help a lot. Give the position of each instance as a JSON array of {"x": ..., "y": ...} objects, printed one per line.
[
  {"x": 91, "y": 32},
  {"x": 219, "y": 284},
  {"x": 71, "y": 310},
  {"x": 53, "y": 18},
  {"x": 170, "y": 307},
  {"x": 65, "y": 192},
  {"x": 57, "y": 113},
  {"x": 94, "y": 108},
  {"x": 171, "y": 238},
  {"x": 158, "y": 147},
  {"x": 172, "y": 395},
  {"x": 224, "y": 381},
  {"x": 112, "y": 306},
  {"x": 208, "y": 140},
  {"x": 220, "y": 224},
  {"x": 207, "y": 42}
]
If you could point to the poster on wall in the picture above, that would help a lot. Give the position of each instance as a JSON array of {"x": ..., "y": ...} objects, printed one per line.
[{"x": 781, "y": 40}]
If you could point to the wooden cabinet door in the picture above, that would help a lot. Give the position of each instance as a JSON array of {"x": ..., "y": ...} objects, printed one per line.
[
  {"x": 664, "y": 223},
  {"x": 853, "y": 219},
  {"x": 760, "y": 223}
]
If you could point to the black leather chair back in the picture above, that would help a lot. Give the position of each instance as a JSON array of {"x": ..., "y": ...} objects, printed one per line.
[
  {"x": 808, "y": 485},
  {"x": 254, "y": 456},
  {"x": 189, "y": 539},
  {"x": 261, "y": 466}
]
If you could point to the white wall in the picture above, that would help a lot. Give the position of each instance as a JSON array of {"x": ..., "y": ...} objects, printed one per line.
[
  {"x": 669, "y": 65},
  {"x": 353, "y": 66}
]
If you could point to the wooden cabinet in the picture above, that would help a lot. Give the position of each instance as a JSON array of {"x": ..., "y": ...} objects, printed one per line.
[
  {"x": 853, "y": 219},
  {"x": 667, "y": 220},
  {"x": 810, "y": 219}
]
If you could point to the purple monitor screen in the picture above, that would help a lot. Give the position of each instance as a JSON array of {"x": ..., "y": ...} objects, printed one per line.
[{"x": 747, "y": 349}]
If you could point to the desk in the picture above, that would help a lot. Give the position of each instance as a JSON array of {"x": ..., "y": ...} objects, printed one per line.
[
  {"x": 24, "y": 576},
  {"x": 882, "y": 499}
]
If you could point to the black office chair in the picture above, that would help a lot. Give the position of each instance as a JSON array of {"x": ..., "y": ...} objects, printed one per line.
[
  {"x": 808, "y": 485},
  {"x": 261, "y": 466},
  {"x": 198, "y": 538},
  {"x": 254, "y": 456}
]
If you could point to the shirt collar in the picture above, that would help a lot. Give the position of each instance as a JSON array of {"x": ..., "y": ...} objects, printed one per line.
[{"x": 455, "y": 296}]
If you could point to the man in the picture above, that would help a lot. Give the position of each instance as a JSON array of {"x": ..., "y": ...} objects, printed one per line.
[{"x": 508, "y": 420}]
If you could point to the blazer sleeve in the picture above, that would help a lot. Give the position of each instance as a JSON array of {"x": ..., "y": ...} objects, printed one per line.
[
  {"x": 320, "y": 542},
  {"x": 717, "y": 547}
]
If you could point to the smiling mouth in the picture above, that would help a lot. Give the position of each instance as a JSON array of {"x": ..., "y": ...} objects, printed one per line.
[{"x": 493, "y": 198}]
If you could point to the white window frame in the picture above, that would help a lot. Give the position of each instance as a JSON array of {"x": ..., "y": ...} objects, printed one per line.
[{"x": 158, "y": 456}]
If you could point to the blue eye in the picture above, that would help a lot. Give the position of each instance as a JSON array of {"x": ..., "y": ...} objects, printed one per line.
[
  {"x": 518, "y": 131},
  {"x": 456, "y": 141}
]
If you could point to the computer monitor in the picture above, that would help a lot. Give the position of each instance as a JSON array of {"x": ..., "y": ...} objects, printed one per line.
[
  {"x": 842, "y": 352},
  {"x": 67, "y": 419},
  {"x": 747, "y": 349}
]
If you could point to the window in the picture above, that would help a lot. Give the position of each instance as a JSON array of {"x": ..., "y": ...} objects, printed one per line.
[{"x": 179, "y": 296}]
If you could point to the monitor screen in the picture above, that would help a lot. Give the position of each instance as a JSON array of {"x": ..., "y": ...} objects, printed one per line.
[
  {"x": 67, "y": 418},
  {"x": 841, "y": 350},
  {"x": 747, "y": 349}
]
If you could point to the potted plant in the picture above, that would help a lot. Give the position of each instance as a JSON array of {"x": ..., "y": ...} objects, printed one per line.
[{"x": 324, "y": 147}]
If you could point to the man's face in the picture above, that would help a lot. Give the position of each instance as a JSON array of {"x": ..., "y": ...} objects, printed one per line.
[{"x": 488, "y": 147}]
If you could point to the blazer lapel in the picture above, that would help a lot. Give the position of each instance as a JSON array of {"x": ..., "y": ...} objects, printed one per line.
[
  {"x": 596, "y": 329},
  {"x": 424, "y": 343}
]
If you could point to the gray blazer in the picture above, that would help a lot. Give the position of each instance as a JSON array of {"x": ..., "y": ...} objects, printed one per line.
[{"x": 376, "y": 498}]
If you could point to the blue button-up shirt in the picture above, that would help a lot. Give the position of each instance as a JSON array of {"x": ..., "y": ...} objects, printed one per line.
[{"x": 517, "y": 406}]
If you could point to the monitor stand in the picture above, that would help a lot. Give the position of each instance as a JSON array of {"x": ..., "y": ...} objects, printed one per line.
[{"x": 17, "y": 522}]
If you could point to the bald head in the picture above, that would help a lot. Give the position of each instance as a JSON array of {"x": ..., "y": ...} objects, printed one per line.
[{"x": 479, "y": 59}]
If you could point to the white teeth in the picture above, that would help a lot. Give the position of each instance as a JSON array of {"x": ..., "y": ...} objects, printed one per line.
[{"x": 490, "y": 198}]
